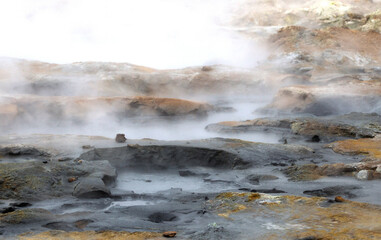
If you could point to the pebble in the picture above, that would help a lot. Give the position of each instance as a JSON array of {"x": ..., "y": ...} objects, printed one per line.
[
  {"x": 72, "y": 179},
  {"x": 170, "y": 234},
  {"x": 87, "y": 147},
  {"x": 339, "y": 199}
]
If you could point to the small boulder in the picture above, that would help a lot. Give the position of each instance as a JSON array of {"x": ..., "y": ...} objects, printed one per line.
[
  {"x": 120, "y": 138},
  {"x": 364, "y": 175},
  {"x": 339, "y": 199},
  {"x": 91, "y": 187},
  {"x": 169, "y": 234},
  {"x": 72, "y": 179}
]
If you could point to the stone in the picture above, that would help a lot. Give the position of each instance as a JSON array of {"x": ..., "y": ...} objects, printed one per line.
[
  {"x": 87, "y": 147},
  {"x": 170, "y": 234},
  {"x": 339, "y": 199},
  {"x": 187, "y": 173},
  {"x": 20, "y": 204},
  {"x": 274, "y": 190},
  {"x": 64, "y": 226},
  {"x": 72, "y": 179},
  {"x": 91, "y": 187},
  {"x": 364, "y": 175},
  {"x": 120, "y": 138},
  {"x": 8, "y": 210},
  {"x": 332, "y": 191},
  {"x": 315, "y": 138},
  {"x": 81, "y": 224},
  {"x": 166, "y": 156},
  {"x": 306, "y": 172}
]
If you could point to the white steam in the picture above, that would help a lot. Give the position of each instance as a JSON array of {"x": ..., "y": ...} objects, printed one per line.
[{"x": 159, "y": 34}]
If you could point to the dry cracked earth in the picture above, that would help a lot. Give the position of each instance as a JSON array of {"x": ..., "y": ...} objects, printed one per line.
[{"x": 290, "y": 149}]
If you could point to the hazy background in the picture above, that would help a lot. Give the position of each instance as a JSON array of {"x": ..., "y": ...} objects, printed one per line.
[{"x": 159, "y": 34}]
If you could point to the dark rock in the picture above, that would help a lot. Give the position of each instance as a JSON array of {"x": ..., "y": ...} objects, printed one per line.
[
  {"x": 160, "y": 217},
  {"x": 166, "y": 157},
  {"x": 120, "y": 138},
  {"x": 187, "y": 173},
  {"x": 274, "y": 190},
  {"x": 8, "y": 210},
  {"x": 315, "y": 138},
  {"x": 20, "y": 204},
  {"x": 280, "y": 164},
  {"x": 333, "y": 191},
  {"x": 309, "y": 238},
  {"x": 64, "y": 226}
]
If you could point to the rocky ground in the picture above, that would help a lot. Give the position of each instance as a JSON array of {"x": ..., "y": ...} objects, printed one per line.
[{"x": 289, "y": 149}]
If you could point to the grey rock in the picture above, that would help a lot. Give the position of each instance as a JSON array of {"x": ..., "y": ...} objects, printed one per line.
[
  {"x": 345, "y": 191},
  {"x": 166, "y": 157},
  {"x": 23, "y": 150},
  {"x": 255, "y": 179},
  {"x": 364, "y": 175},
  {"x": 35, "y": 181},
  {"x": 91, "y": 187}
]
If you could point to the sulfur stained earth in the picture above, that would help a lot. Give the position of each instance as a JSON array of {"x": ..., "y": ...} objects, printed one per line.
[{"x": 293, "y": 217}]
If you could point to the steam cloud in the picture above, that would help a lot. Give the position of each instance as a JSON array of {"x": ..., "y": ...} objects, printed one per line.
[{"x": 159, "y": 34}]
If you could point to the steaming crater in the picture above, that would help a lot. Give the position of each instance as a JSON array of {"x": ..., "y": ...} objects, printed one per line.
[{"x": 235, "y": 108}]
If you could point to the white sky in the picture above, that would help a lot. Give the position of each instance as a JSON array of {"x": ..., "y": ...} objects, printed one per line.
[{"x": 155, "y": 33}]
